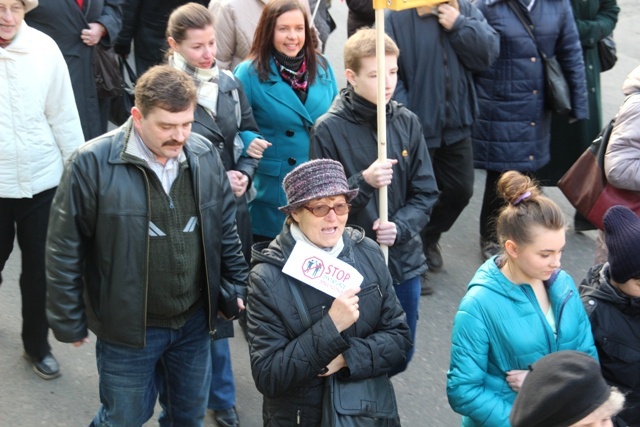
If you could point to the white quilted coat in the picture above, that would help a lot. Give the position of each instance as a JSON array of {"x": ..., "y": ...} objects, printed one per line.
[{"x": 39, "y": 124}]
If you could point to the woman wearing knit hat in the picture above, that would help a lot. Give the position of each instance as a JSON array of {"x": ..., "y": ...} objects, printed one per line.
[
  {"x": 566, "y": 389},
  {"x": 362, "y": 333},
  {"x": 611, "y": 296},
  {"x": 519, "y": 307}
]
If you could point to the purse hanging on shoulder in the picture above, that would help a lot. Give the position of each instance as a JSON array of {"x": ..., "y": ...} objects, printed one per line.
[
  {"x": 370, "y": 402},
  {"x": 557, "y": 93},
  {"x": 586, "y": 187},
  {"x": 607, "y": 53}
]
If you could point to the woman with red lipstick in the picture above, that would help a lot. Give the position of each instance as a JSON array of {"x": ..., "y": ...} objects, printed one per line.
[
  {"x": 289, "y": 85},
  {"x": 223, "y": 116},
  {"x": 518, "y": 308},
  {"x": 362, "y": 333}
]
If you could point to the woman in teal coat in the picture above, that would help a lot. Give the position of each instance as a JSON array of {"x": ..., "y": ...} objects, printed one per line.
[
  {"x": 289, "y": 86},
  {"x": 518, "y": 308},
  {"x": 595, "y": 20}
]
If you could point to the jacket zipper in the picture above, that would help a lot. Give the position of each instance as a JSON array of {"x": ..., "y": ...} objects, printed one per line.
[
  {"x": 545, "y": 324},
  {"x": 196, "y": 172},
  {"x": 298, "y": 417},
  {"x": 564, "y": 303},
  {"x": 146, "y": 270}
]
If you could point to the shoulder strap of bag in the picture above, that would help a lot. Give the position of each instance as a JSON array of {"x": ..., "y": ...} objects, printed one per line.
[
  {"x": 601, "y": 142},
  {"x": 526, "y": 25},
  {"x": 300, "y": 305}
]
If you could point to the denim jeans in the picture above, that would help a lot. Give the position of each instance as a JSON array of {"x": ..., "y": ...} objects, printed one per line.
[
  {"x": 408, "y": 293},
  {"x": 222, "y": 393},
  {"x": 29, "y": 218},
  {"x": 175, "y": 365}
]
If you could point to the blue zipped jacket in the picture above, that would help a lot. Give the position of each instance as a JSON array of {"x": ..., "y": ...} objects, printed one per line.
[{"x": 499, "y": 327}]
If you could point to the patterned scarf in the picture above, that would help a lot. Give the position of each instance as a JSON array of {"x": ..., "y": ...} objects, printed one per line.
[
  {"x": 293, "y": 70},
  {"x": 206, "y": 81}
]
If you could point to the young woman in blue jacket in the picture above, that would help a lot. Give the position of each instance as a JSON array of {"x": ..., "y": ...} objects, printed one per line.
[
  {"x": 518, "y": 308},
  {"x": 289, "y": 85}
]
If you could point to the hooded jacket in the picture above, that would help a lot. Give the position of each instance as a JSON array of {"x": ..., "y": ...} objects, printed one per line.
[
  {"x": 615, "y": 321},
  {"x": 622, "y": 159},
  {"x": 499, "y": 326},
  {"x": 348, "y": 134},
  {"x": 98, "y": 241},
  {"x": 286, "y": 359}
]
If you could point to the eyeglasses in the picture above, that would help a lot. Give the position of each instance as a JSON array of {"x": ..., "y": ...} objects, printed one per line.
[{"x": 323, "y": 210}]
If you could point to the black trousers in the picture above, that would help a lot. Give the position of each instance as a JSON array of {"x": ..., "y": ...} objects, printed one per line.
[
  {"x": 453, "y": 169},
  {"x": 491, "y": 205},
  {"x": 29, "y": 217}
]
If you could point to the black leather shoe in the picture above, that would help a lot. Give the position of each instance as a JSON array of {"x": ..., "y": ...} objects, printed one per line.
[
  {"x": 46, "y": 368},
  {"x": 434, "y": 256},
  {"x": 425, "y": 287},
  {"x": 227, "y": 418}
]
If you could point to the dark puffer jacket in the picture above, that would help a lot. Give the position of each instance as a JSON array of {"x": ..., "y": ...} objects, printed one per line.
[
  {"x": 615, "y": 322},
  {"x": 348, "y": 134},
  {"x": 513, "y": 128},
  {"x": 286, "y": 359}
]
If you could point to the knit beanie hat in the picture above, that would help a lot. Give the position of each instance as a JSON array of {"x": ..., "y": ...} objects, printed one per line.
[
  {"x": 622, "y": 236},
  {"x": 561, "y": 389},
  {"x": 315, "y": 179}
]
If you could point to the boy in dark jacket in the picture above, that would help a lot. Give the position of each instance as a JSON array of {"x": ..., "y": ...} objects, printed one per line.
[
  {"x": 611, "y": 295},
  {"x": 348, "y": 134}
]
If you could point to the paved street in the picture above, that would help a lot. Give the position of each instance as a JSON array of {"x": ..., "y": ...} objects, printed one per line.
[{"x": 72, "y": 399}]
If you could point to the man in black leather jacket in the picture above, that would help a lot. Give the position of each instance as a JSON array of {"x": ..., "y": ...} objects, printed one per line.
[{"x": 143, "y": 251}]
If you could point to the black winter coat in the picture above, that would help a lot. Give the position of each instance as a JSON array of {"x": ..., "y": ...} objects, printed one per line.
[
  {"x": 348, "y": 134},
  {"x": 615, "y": 321},
  {"x": 98, "y": 244},
  {"x": 221, "y": 132},
  {"x": 145, "y": 23},
  {"x": 63, "y": 21},
  {"x": 286, "y": 359}
]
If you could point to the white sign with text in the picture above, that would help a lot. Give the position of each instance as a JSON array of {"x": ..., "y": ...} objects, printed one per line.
[{"x": 324, "y": 272}]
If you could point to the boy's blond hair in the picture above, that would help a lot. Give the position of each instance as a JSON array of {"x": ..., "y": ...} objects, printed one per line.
[{"x": 363, "y": 45}]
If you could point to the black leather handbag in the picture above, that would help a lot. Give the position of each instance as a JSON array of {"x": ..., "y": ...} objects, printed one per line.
[
  {"x": 370, "y": 402},
  {"x": 106, "y": 72},
  {"x": 121, "y": 105},
  {"x": 557, "y": 93},
  {"x": 607, "y": 53}
]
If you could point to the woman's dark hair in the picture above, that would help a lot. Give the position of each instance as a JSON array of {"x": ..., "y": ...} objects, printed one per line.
[
  {"x": 261, "y": 51},
  {"x": 189, "y": 16},
  {"x": 526, "y": 207}
]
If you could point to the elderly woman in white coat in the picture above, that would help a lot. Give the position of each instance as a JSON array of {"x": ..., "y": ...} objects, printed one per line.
[{"x": 39, "y": 129}]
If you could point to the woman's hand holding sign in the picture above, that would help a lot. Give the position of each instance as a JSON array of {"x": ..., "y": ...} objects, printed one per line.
[{"x": 345, "y": 310}]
